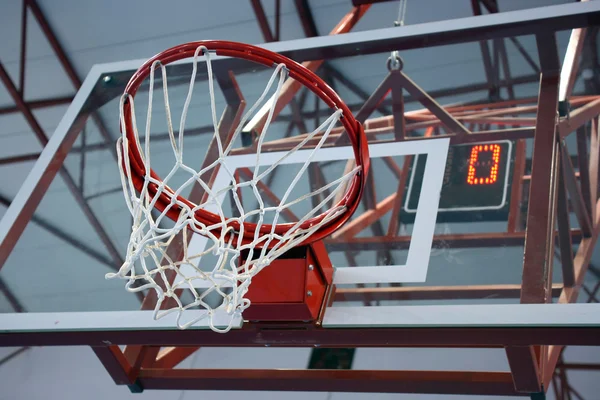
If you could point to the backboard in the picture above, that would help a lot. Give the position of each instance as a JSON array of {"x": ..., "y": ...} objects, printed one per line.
[{"x": 456, "y": 228}]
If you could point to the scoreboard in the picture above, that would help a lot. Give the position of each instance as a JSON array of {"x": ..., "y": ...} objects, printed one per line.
[{"x": 476, "y": 182}]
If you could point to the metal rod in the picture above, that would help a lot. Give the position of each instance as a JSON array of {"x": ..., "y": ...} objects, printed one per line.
[
  {"x": 594, "y": 163},
  {"x": 581, "y": 263},
  {"x": 398, "y": 106},
  {"x": 433, "y": 292},
  {"x": 428, "y": 102},
  {"x": 505, "y": 67},
  {"x": 67, "y": 65},
  {"x": 306, "y": 18},
  {"x": 12, "y": 355},
  {"x": 584, "y": 169},
  {"x": 485, "y": 51},
  {"x": 365, "y": 219},
  {"x": 172, "y": 356},
  {"x": 68, "y": 179},
  {"x": 524, "y": 369},
  {"x": 115, "y": 363},
  {"x": 277, "y": 20},
  {"x": 82, "y": 155},
  {"x": 564, "y": 228},
  {"x": 577, "y": 201},
  {"x": 491, "y": 239},
  {"x": 292, "y": 86},
  {"x": 578, "y": 118},
  {"x": 11, "y": 297},
  {"x": 307, "y": 114},
  {"x": 579, "y": 366},
  {"x": 23, "y": 52},
  {"x": 516, "y": 195},
  {"x": 353, "y": 86},
  {"x": 526, "y": 56},
  {"x": 491, "y": 5},
  {"x": 439, "y": 33},
  {"x": 19, "y": 158},
  {"x": 394, "y": 225},
  {"x": 64, "y": 236},
  {"x": 540, "y": 224},
  {"x": 568, "y": 73},
  {"x": 118, "y": 189},
  {"x": 263, "y": 23},
  {"x": 35, "y": 104},
  {"x": 308, "y": 336},
  {"x": 330, "y": 380}
]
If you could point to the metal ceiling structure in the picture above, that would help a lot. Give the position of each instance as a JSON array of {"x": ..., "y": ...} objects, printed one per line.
[{"x": 534, "y": 354}]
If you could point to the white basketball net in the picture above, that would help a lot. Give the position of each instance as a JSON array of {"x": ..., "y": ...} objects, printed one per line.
[{"x": 148, "y": 263}]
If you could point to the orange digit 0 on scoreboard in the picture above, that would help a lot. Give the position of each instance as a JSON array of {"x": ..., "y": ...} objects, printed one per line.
[{"x": 492, "y": 177}]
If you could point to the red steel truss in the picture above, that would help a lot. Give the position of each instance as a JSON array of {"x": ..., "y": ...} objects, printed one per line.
[{"x": 554, "y": 187}]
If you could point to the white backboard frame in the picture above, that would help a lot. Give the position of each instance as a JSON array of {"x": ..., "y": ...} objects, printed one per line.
[{"x": 419, "y": 251}]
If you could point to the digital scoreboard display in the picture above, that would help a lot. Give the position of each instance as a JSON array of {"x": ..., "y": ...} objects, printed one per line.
[{"x": 476, "y": 178}]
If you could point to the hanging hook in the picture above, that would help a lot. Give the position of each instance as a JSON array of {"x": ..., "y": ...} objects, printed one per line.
[{"x": 395, "y": 62}]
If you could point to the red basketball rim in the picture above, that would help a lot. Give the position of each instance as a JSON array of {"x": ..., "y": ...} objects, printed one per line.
[{"x": 297, "y": 71}]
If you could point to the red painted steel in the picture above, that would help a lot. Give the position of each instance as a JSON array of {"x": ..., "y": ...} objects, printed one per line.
[
  {"x": 291, "y": 289},
  {"x": 282, "y": 281}
]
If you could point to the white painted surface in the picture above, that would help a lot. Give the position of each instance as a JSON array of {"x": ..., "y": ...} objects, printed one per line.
[
  {"x": 472, "y": 315},
  {"x": 415, "y": 269}
]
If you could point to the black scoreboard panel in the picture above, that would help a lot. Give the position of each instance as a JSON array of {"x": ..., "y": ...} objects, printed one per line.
[{"x": 476, "y": 183}]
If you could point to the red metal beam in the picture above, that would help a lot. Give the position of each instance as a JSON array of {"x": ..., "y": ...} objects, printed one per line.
[
  {"x": 516, "y": 194},
  {"x": 568, "y": 74},
  {"x": 394, "y": 224},
  {"x": 115, "y": 363},
  {"x": 35, "y": 104},
  {"x": 485, "y": 51},
  {"x": 540, "y": 213},
  {"x": 584, "y": 169},
  {"x": 306, "y": 18},
  {"x": 363, "y": 221},
  {"x": 277, "y": 20},
  {"x": 68, "y": 179},
  {"x": 576, "y": 196},
  {"x": 67, "y": 65},
  {"x": 308, "y": 336},
  {"x": 263, "y": 22},
  {"x": 433, "y": 292},
  {"x": 455, "y": 241},
  {"x": 428, "y": 102},
  {"x": 12, "y": 355},
  {"x": 19, "y": 159},
  {"x": 581, "y": 263},
  {"x": 594, "y": 166},
  {"x": 579, "y": 366},
  {"x": 23, "y": 52},
  {"x": 329, "y": 380},
  {"x": 398, "y": 106},
  {"x": 10, "y": 296},
  {"x": 66, "y": 237},
  {"x": 524, "y": 369},
  {"x": 172, "y": 356},
  {"x": 579, "y": 117},
  {"x": 291, "y": 86},
  {"x": 564, "y": 228}
]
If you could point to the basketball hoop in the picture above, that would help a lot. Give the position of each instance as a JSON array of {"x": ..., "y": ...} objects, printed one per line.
[{"x": 147, "y": 261}]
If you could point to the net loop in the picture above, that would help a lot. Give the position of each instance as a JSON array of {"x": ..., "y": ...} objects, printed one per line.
[{"x": 241, "y": 249}]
